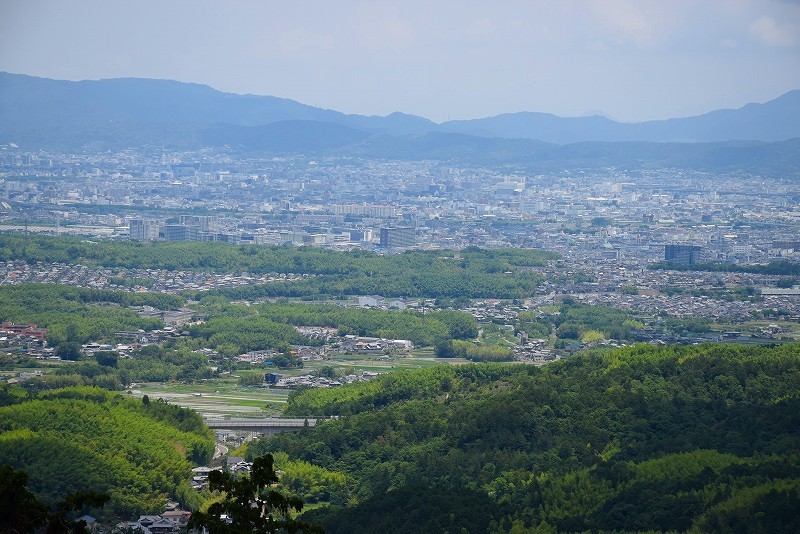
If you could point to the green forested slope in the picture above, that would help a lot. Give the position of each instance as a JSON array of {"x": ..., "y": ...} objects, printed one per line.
[
  {"x": 422, "y": 329},
  {"x": 642, "y": 438},
  {"x": 89, "y": 439}
]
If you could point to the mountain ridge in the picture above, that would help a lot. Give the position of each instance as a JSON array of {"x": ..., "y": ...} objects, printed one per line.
[
  {"x": 30, "y": 103},
  {"x": 136, "y": 113}
]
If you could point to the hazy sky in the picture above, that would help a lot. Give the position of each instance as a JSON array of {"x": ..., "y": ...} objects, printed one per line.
[{"x": 628, "y": 59}]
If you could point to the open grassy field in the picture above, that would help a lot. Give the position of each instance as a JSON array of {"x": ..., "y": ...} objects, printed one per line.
[{"x": 217, "y": 397}]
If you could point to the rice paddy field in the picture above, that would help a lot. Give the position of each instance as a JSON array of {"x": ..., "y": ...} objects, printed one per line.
[{"x": 217, "y": 397}]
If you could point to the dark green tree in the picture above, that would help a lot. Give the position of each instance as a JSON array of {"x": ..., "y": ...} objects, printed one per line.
[
  {"x": 68, "y": 351},
  {"x": 73, "y": 336},
  {"x": 59, "y": 522},
  {"x": 107, "y": 358},
  {"x": 21, "y": 511},
  {"x": 444, "y": 348},
  {"x": 250, "y": 505}
]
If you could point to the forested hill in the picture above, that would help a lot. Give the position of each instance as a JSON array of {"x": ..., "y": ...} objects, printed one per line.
[
  {"x": 90, "y": 439},
  {"x": 703, "y": 438}
]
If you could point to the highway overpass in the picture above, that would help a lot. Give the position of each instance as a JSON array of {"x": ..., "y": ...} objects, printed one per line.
[{"x": 261, "y": 425}]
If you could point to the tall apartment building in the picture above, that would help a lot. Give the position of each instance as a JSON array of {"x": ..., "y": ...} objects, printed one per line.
[
  {"x": 144, "y": 229},
  {"x": 203, "y": 223},
  {"x": 194, "y": 228},
  {"x": 180, "y": 232},
  {"x": 369, "y": 210},
  {"x": 683, "y": 254},
  {"x": 399, "y": 237}
]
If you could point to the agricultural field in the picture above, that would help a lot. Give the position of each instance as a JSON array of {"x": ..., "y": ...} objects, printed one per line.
[
  {"x": 224, "y": 396},
  {"x": 217, "y": 397}
]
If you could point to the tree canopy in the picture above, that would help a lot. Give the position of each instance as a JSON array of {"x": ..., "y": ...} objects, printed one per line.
[
  {"x": 89, "y": 439},
  {"x": 472, "y": 272},
  {"x": 635, "y": 439}
]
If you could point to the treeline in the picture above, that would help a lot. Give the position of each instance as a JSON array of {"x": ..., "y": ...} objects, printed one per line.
[
  {"x": 223, "y": 257},
  {"x": 392, "y": 388},
  {"x": 313, "y": 484},
  {"x": 232, "y": 336},
  {"x": 778, "y": 267},
  {"x": 423, "y": 329},
  {"x": 75, "y": 314},
  {"x": 475, "y": 352},
  {"x": 573, "y": 321},
  {"x": 89, "y": 439},
  {"x": 105, "y": 369},
  {"x": 636, "y": 439},
  {"x": 232, "y": 328},
  {"x": 473, "y": 272},
  {"x": 412, "y": 509},
  {"x": 428, "y": 277}
]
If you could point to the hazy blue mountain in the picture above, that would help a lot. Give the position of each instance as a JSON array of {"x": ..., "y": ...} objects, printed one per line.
[
  {"x": 32, "y": 108},
  {"x": 26, "y": 100},
  {"x": 542, "y": 126},
  {"x": 449, "y": 146},
  {"x": 393, "y": 124},
  {"x": 776, "y": 120},
  {"x": 123, "y": 113},
  {"x": 283, "y": 136},
  {"x": 29, "y": 104}
]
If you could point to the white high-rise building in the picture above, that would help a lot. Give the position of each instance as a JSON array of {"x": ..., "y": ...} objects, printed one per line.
[{"x": 144, "y": 229}]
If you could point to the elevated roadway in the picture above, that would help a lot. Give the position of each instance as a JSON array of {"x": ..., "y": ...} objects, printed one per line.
[{"x": 261, "y": 425}]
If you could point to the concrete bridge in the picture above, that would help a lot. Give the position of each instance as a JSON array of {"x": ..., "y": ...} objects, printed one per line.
[{"x": 262, "y": 425}]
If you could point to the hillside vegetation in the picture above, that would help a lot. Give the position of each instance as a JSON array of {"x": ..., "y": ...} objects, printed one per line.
[
  {"x": 77, "y": 314},
  {"x": 703, "y": 438},
  {"x": 89, "y": 439}
]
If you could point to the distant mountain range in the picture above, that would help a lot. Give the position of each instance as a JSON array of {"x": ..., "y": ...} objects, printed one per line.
[
  {"x": 776, "y": 120},
  {"x": 130, "y": 112}
]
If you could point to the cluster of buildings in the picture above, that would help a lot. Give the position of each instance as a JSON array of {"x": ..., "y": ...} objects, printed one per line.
[
  {"x": 169, "y": 522},
  {"x": 234, "y": 465},
  {"x": 22, "y": 333},
  {"x": 607, "y": 225},
  {"x": 683, "y": 306},
  {"x": 187, "y": 228},
  {"x": 394, "y": 205},
  {"x": 311, "y": 381},
  {"x": 334, "y": 344},
  {"x": 174, "y": 520},
  {"x": 125, "y": 279}
]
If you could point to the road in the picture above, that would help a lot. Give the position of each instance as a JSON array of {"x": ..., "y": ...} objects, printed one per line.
[{"x": 220, "y": 450}]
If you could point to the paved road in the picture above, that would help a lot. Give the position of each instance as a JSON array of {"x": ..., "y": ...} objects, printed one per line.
[{"x": 220, "y": 450}]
